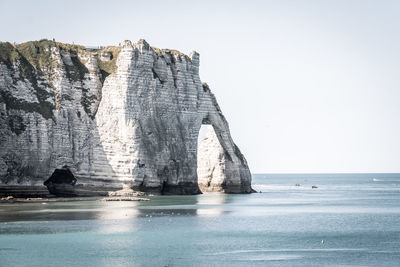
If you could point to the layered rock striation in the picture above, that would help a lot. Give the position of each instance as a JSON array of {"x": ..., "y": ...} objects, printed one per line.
[{"x": 126, "y": 116}]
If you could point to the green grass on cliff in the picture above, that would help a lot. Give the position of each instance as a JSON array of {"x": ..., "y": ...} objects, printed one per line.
[
  {"x": 108, "y": 67},
  {"x": 35, "y": 62},
  {"x": 162, "y": 52},
  {"x": 8, "y": 53},
  {"x": 38, "y": 55},
  {"x": 206, "y": 88}
]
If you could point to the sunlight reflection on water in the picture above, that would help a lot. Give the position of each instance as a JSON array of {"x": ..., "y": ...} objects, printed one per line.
[{"x": 357, "y": 218}]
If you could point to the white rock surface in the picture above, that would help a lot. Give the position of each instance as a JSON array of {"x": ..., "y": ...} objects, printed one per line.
[{"x": 137, "y": 127}]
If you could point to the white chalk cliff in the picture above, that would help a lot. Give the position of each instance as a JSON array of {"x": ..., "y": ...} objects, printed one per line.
[{"x": 117, "y": 117}]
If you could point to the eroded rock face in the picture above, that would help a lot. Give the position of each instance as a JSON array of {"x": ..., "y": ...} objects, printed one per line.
[{"x": 128, "y": 119}]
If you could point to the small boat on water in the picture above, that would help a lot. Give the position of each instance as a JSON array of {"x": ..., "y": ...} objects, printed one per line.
[{"x": 314, "y": 186}]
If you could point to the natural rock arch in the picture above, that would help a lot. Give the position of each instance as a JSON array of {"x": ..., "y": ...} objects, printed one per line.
[
  {"x": 151, "y": 111},
  {"x": 137, "y": 126}
]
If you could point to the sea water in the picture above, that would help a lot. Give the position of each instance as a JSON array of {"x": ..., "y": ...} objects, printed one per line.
[{"x": 348, "y": 220}]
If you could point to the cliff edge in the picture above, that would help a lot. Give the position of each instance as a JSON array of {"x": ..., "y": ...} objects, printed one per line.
[{"x": 118, "y": 117}]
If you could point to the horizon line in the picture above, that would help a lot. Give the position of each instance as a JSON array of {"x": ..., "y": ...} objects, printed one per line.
[{"x": 325, "y": 173}]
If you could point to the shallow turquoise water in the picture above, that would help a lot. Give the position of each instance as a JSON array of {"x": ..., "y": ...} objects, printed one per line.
[{"x": 356, "y": 216}]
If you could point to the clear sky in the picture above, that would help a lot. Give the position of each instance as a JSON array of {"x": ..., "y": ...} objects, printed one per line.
[{"x": 307, "y": 86}]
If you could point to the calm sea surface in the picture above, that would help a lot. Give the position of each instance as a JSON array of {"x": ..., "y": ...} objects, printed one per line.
[{"x": 349, "y": 220}]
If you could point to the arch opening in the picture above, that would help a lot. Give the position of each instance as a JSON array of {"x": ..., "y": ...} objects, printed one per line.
[{"x": 210, "y": 160}]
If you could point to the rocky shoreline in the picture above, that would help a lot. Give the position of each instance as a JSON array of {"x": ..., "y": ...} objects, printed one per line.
[
  {"x": 125, "y": 194},
  {"x": 124, "y": 199},
  {"x": 12, "y": 200}
]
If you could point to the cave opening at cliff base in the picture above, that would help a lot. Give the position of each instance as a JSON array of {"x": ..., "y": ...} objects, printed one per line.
[{"x": 61, "y": 176}]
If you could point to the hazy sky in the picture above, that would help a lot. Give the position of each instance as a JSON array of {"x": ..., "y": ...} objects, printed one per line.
[{"x": 307, "y": 86}]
